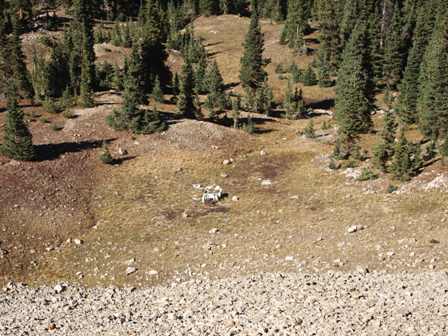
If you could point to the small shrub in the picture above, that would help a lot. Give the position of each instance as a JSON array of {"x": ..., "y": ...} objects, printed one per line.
[
  {"x": 391, "y": 189},
  {"x": 69, "y": 114},
  {"x": 367, "y": 175},
  {"x": 309, "y": 130},
  {"x": 44, "y": 120},
  {"x": 326, "y": 126},
  {"x": 52, "y": 106},
  {"x": 334, "y": 165},
  {"x": 249, "y": 126},
  {"x": 106, "y": 156}
]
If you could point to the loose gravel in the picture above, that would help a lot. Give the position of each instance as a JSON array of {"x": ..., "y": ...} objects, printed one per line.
[{"x": 265, "y": 304}]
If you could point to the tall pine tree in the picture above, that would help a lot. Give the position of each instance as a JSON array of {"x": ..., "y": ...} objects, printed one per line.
[
  {"x": 17, "y": 142},
  {"x": 252, "y": 72},
  {"x": 353, "y": 93}
]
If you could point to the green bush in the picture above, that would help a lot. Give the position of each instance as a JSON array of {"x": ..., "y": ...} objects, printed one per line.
[{"x": 367, "y": 175}]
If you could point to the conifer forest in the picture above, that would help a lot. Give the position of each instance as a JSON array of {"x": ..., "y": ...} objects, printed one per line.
[{"x": 151, "y": 142}]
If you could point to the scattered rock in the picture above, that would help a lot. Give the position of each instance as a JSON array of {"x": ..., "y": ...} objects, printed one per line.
[
  {"x": 235, "y": 198},
  {"x": 130, "y": 270},
  {"x": 355, "y": 228},
  {"x": 59, "y": 288},
  {"x": 266, "y": 183},
  {"x": 77, "y": 241}
]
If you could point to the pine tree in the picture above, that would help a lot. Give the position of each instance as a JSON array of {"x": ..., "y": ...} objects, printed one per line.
[
  {"x": 296, "y": 25},
  {"x": 84, "y": 22},
  {"x": 252, "y": 73},
  {"x": 393, "y": 53},
  {"x": 309, "y": 77},
  {"x": 296, "y": 74},
  {"x": 16, "y": 60},
  {"x": 215, "y": 87},
  {"x": 210, "y": 7},
  {"x": 293, "y": 103},
  {"x": 376, "y": 48},
  {"x": 385, "y": 150},
  {"x": 185, "y": 103},
  {"x": 402, "y": 161},
  {"x": 17, "y": 143},
  {"x": 157, "y": 92},
  {"x": 330, "y": 48},
  {"x": 353, "y": 99},
  {"x": 236, "y": 113},
  {"x": 432, "y": 104},
  {"x": 410, "y": 88}
]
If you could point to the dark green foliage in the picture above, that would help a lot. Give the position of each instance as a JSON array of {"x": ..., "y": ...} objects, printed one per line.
[
  {"x": 236, "y": 113},
  {"x": 185, "y": 103},
  {"x": 105, "y": 76},
  {"x": 353, "y": 99},
  {"x": 430, "y": 151},
  {"x": 376, "y": 48},
  {"x": 296, "y": 25},
  {"x": 105, "y": 155},
  {"x": 17, "y": 141},
  {"x": 296, "y": 74},
  {"x": 84, "y": 23},
  {"x": 407, "y": 159},
  {"x": 323, "y": 73},
  {"x": 264, "y": 100},
  {"x": 210, "y": 7},
  {"x": 293, "y": 103},
  {"x": 367, "y": 175},
  {"x": 410, "y": 88},
  {"x": 16, "y": 60},
  {"x": 309, "y": 77},
  {"x": 157, "y": 93},
  {"x": 252, "y": 73},
  {"x": 393, "y": 50},
  {"x": 432, "y": 104},
  {"x": 310, "y": 131},
  {"x": 330, "y": 49},
  {"x": 215, "y": 88},
  {"x": 130, "y": 116},
  {"x": 444, "y": 151}
]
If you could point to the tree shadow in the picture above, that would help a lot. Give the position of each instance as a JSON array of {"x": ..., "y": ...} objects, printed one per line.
[
  {"x": 122, "y": 160},
  {"x": 228, "y": 122},
  {"x": 231, "y": 85},
  {"x": 325, "y": 104},
  {"x": 49, "y": 152},
  {"x": 212, "y": 44}
]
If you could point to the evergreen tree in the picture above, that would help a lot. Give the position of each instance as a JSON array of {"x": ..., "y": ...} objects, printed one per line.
[
  {"x": 296, "y": 74},
  {"x": 385, "y": 150},
  {"x": 296, "y": 25},
  {"x": 185, "y": 103},
  {"x": 432, "y": 104},
  {"x": 84, "y": 22},
  {"x": 406, "y": 162},
  {"x": 309, "y": 77},
  {"x": 353, "y": 99},
  {"x": 393, "y": 54},
  {"x": 410, "y": 88},
  {"x": 293, "y": 103},
  {"x": 215, "y": 87},
  {"x": 125, "y": 118},
  {"x": 376, "y": 48},
  {"x": 330, "y": 48},
  {"x": 210, "y": 7},
  {"x": 236, "y": 113},
  {"x": 17, "y": 142},
  {"x": 252, "y": 73},
  {"x": 16, "y": 60},
  {"x": 157, "y": 92}
]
